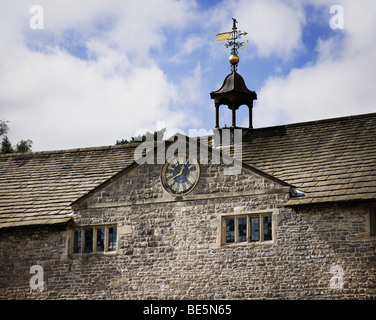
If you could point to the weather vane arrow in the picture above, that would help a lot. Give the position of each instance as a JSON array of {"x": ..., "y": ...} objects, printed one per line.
[{"x": 232, "y": 41}]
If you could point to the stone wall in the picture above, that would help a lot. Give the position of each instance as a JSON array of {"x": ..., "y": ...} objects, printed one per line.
[
  {"x": 20, "y": 249},
  {"x": 169, "y": 248}
]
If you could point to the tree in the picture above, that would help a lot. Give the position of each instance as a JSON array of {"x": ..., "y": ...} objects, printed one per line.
[
  {"x": 3, "y": 127},
  {"x": 24, "y": 146},
  {"x": 6, "y": 146},
  {"x": 157, "y": 136}
]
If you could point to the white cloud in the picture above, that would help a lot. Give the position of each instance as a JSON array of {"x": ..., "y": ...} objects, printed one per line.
[
  {"x": 337, "y": 84},
  {"x": 274, "y": 26},
  {"x": 60, "y": 101},
  {"x": 141, "y": 23},
  {"x": 65, "y": 102}
]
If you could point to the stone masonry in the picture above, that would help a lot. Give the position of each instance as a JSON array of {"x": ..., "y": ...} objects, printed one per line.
[{"x": 171, "y": 248}]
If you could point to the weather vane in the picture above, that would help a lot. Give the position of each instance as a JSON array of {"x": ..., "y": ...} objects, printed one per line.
[{"x": 232, "y": 40}]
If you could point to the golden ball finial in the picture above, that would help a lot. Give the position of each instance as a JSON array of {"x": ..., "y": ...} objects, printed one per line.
[{"x": 234, "y": 59}]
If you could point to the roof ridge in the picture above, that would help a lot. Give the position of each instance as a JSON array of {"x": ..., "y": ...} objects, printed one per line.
[
  {"x": 131, "y": 145},
  {"x": 313, "y": 122},
  {"x": 73, "y": 150}
]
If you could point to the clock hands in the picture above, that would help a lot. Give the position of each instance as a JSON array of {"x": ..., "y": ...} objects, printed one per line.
[
  {"x": 182, "y": 169},
  {"x": 179, "y": 174}
]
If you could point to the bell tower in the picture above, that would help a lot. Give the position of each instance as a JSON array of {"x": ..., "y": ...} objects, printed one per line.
[{"x": 234, "y": 91}]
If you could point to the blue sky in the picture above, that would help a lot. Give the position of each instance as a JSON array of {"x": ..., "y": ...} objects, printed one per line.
[{"x": 101, "y": 71}]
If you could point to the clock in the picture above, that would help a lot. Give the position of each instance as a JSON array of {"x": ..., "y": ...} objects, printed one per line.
[{"x": 180, "y": 174}]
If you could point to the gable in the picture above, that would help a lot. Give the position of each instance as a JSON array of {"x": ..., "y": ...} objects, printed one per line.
[{"x": 142, "y": 183}]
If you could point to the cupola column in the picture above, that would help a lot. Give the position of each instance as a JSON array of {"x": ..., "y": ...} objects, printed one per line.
[
  {"x": 250, "y": 126},
  {"x": 233, "y": 115},
  {"x": 217, "y": 115}
]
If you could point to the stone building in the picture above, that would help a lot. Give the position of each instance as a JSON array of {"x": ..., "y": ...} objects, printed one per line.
[{"x": 285, "y": 212}]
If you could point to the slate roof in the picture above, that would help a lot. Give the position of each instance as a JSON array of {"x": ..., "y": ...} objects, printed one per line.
[
  {"x": 329, "y": 160},
  {"x": 37, "y": 188}
]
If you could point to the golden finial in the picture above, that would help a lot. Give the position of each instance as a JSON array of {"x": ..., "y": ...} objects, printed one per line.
[{"x": 234, "y": 59}]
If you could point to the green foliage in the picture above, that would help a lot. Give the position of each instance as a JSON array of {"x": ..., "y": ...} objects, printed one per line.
[
  {"x": 3, "y": 127},
  {"x": 156, "y": 136},
  {"x": 6, "y": 146},
  {"x": 24, "y": 146}
]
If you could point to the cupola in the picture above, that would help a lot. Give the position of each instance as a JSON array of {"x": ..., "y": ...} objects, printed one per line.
[
  {"x": 233, "y": 94},
  {"x": 234, "y": 91}
]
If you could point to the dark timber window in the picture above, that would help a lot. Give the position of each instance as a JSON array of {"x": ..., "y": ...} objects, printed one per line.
[
  {"x": 112, "y": 232},
  {"x": 95, "y": 239},
  {"x": 267, "y": 228},
  {"x": 372, "y": 222},
  {"x": 230, "y": 230},
  {"x": 77, "y": 246},
  {"x": 242, "y": 229},
  {"x": 255, "y": 229},
  {"x": 247, "y": 228},
  {"x": 101, "y": 239},
  {"x": 88, "y": 241}
]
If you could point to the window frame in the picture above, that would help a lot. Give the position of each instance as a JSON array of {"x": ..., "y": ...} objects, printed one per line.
[
  {"x": 94, "y": 242},
  {"x": 260, "y": 215},
  {"x": 372, "y": 222}
]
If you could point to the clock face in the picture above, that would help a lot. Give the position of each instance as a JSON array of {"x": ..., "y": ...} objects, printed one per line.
[{"x": 180, "y": 174}]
